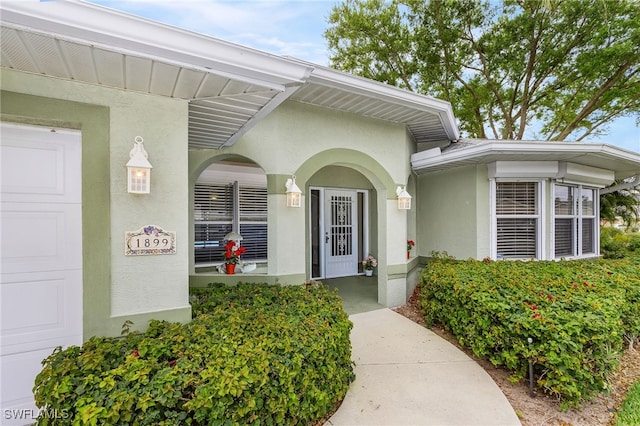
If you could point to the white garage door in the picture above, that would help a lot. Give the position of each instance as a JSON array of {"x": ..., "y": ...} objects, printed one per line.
[{"x": 41, "y": 255}]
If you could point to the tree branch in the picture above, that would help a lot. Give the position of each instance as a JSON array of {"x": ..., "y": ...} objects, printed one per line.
[{"x": 593, "y": 103}]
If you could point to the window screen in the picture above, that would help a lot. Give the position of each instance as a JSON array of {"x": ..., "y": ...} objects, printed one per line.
[{"x": 517, "y": 220}]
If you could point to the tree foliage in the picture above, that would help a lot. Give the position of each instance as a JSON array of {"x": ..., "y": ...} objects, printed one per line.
[
  {"x": 622, "y": 204},
  {"x": 517, "y": 69}
]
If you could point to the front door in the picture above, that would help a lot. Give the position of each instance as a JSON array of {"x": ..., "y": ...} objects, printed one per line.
[
  {"x": 341, "y": 233},
  {"x": 41, "y": 255}
]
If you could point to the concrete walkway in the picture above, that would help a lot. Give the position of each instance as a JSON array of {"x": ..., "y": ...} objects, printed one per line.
[{"x": 408, "y": 375}]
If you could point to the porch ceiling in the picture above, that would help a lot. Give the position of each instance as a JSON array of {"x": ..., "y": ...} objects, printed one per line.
[{"x": 229, "y": 87}]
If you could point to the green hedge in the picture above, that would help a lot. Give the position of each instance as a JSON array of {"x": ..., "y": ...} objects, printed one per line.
[
  {"x": 253, "y": 354},
  {"x": 576, "y": 312}
]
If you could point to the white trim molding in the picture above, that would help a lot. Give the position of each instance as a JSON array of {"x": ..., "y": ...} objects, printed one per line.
[
  {"x": 578, "y": 174},
  {"x": 621, "y": 162}
]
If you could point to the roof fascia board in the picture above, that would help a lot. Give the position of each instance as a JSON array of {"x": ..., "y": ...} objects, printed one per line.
[
  {"x": 82, "y": 21},
  {"x": 357, "y": 85},
  {"x": 425, "y": 159}
]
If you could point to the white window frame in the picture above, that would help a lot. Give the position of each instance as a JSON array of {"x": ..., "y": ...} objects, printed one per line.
[
  {"x": 539, "y": 216},
  {"x": 577, "y": 218},
  {"x": 235, "y": 222}
]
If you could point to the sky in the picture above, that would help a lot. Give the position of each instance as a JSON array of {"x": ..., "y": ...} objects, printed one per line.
[{"x": 288, "y": 28}]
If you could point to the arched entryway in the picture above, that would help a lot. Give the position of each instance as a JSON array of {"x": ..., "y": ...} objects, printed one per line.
[
  {"x": 341, "y": 205},
  {"x": 355, "y": 173}
]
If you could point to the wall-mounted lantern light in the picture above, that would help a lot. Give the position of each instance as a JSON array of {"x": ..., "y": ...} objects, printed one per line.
[
  {"x": 294, "y": 195},
  {"x": 138, "y": 169},
  {"x": 404, "y": 198}
]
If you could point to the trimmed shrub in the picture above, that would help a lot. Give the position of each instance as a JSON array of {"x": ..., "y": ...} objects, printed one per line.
[
  {"x": 634, "y": 242},
  {"x": 613, "y": 243},
  {"x": 253, "y": 354},
  {"x": 577, "y": 314}
]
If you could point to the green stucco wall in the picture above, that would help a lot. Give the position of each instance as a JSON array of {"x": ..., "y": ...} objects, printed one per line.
[
  {"x": 118, "y": 287},
  {"x": 453, "y": 216},
  {"x": 339, "y": 177}
]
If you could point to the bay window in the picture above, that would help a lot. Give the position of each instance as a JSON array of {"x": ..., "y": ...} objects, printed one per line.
[{"x": 544, "y": 210}]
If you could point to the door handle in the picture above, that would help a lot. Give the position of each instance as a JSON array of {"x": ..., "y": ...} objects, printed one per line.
[{"x": 326, "y": 237}]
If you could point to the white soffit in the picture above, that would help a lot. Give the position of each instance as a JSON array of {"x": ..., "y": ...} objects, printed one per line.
[
  {"x": 229, "y": 87},
  {"x": 473, "y": 151},
  {"x": 428, "y": 119}
]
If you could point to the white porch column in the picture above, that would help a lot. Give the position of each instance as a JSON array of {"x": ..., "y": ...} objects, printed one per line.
[
  {"x": 392, "y": 232},
  {"x": 286, "y": 234}
]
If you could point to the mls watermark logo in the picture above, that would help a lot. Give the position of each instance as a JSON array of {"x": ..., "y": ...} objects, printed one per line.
[{"x": 33, "y": 414}]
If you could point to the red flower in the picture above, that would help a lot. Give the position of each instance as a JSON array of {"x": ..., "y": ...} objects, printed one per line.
[
  {"x": 534, "y": 307},
  {"x": 232, "y": 252},
  {"x": 136, "y": 353},
  {"x": 537, "y": 316}
]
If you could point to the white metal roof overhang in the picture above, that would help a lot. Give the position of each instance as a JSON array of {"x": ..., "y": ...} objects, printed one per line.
[
  {"x": 229, "y": 87},
  {"x": 428, "y": 119},
  {"x": 466, "y": 152}
]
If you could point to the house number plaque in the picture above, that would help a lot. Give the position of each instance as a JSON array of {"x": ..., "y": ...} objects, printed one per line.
[{"x": 148, "y": 240}]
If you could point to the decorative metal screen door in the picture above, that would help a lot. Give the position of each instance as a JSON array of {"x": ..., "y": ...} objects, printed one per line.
[{"x": 341, "y": 233}]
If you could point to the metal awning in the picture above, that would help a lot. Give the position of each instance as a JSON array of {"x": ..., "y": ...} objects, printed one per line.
[{"x": 229, "y": 87}]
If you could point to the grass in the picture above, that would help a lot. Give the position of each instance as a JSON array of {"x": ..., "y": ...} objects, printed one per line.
[{"x": 629, "y": 413}]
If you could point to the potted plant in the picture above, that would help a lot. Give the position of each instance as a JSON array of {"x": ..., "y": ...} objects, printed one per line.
[
  {"x": 410, "y": 245},
  {"x": 368, "y": 264},
  {"x": 232, "y": 253}
]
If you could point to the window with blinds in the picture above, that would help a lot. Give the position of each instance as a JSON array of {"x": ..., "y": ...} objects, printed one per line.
[
  {"x": 574, "y": 221},
  {"x": 565, "y": 224},
  {"x": 588, "y": 220},
  {"x": 214, "y": 207},
  {"x": 517, "y": 220},
  {"x": 564, "y": 237},
  {"x": 253, "y": 222}
]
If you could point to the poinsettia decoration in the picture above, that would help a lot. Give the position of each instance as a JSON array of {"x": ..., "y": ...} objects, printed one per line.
[{"x": 232, "y": 252}]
